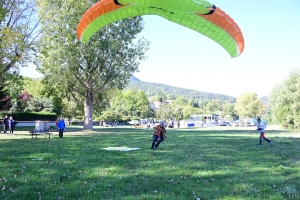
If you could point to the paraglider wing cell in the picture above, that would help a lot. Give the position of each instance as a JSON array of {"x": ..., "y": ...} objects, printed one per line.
[{"x": 198, "y": 15}]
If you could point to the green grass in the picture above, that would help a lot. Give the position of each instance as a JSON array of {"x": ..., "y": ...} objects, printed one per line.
[{"x": 204, "y": 163}]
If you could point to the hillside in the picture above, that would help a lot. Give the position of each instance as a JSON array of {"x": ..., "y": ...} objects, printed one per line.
[{"x": 151, "y": 89}]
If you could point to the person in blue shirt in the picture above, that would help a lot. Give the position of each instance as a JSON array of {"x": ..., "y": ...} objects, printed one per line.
[
  {"x": 11, "y": 125},
  {"x": 61, "y": 127},
  {"x": 261, "y": 128}
]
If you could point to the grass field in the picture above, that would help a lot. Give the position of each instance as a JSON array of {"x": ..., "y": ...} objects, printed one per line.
[{"x": 203, "y": 163}]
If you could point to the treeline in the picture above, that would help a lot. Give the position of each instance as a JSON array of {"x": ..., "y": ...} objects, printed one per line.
[{"x": 152, "y": 89}]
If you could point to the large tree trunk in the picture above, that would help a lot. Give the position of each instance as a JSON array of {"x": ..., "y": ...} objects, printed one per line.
[{"x": 88, "y": 113}]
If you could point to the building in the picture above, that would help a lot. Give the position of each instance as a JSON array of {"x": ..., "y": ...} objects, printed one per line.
[{"x": 206, "y": 118}]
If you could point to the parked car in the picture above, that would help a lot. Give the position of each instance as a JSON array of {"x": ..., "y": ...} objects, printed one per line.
[
  {"x": 134, "y": 122},
  {"x": 236, "y": 123},
  {"x": 108, "y": 123},
  {"x": 143, "y": 121},
  {"x": 222, "y": 123},
  {"x": 248, "y": 121}
]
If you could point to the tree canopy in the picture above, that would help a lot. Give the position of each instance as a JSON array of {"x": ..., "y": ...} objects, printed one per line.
[
  {"x": 248, "y": 105},
  {"x": 285, "y": 101},
  {"x": 19, "y": 32},
  {"x": 87, "y": 71}
]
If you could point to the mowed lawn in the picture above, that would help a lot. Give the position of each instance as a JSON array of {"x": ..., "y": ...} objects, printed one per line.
[{"x": 202, "y": 163}]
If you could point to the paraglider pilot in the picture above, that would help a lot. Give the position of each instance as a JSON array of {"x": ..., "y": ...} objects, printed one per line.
[{"x": 159, "y": 135}]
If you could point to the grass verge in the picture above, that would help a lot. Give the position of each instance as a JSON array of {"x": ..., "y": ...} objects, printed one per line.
[{"x": 215, "y": 163}]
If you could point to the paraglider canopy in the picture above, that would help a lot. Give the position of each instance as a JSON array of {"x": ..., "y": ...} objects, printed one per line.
[{"x": 198, "y": 15}]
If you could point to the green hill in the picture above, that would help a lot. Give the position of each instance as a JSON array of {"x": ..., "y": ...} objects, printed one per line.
[{"x": 152, "y": 89}]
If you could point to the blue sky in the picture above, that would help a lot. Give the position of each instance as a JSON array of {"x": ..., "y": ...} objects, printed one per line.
[{"x": 184, "y": 58}]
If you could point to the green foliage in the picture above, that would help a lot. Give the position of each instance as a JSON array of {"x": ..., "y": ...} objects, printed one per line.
[
  {"x": 58, "y": 106},
  {"x": 34, "y": 87},
  {"x": 32, "y": 116},
  {"x": 87, "y": 71},
  {"x": 285, "y": 101},
  {"x": 248, "y": 105},
  {"x": 68, "y": 108},
  {"x": 154, "y": 89},
  {"x": 21, "y": 103},
  {"x": 13, "y": 85},
  {"x": 39, "y": 105},
  {"x": 80, "y": 117},
  {"x": 131, "y": 102},
  {"x": 5, "y": 103},
  {"x": 161, "y": 96},
  {"x": 163, "y": 112},
  {"x": 190, "y": 164},
  {"x": 18, "y": 34}
]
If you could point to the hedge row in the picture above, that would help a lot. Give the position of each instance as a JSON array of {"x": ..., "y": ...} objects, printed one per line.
[{"x": 32, "y": 116}]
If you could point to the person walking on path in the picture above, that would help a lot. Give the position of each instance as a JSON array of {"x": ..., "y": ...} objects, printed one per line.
[
  {"x": 11, "y": 124},
  {"x": 159, "y": 135},
  {"x": 61, "y": 127},
  {"x": 261, "y": 128},
  {"x": 5, "y": 124}
]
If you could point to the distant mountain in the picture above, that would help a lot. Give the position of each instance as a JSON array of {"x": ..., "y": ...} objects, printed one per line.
[
  {"x": 152, "y": 89},
  {"x": 264, "y": 100},
  {"x": 133, "y": 78}
]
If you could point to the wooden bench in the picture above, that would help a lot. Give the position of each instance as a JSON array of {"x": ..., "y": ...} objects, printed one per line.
[{"x": 39, "y": 132}]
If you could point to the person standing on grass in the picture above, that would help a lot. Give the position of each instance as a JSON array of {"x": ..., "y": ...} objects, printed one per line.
[
  {"x": 159, "y": 135},
  {"x": 261, "y": 128},
  {"x": 11, "y": 124},
  {"x": 5, "y": 124},
  {"x": 56, "y": 122},
  {"x": 61, "y": 127}
]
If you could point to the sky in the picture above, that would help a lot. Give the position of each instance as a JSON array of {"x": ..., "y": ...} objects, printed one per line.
[{"x": 181, "y": 57}]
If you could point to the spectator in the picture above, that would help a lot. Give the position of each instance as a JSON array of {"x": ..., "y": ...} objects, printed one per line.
[
  {"x": 5, "y": 124},
  {"x": 61, "y": 127},
  {"x": 11, "y": 124}
]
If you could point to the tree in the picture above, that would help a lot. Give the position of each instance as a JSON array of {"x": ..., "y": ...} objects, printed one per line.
[
  {"x": 46, "y": 95},
  {"x": 177, "y": 107},
  {"x": 87, "y": 71},
  {"x": 39, "y": 105},
  {"x": 163, "y": 112},
  {"x": 188, "y": 111},
  {"x": 285, "y": 101},
  {"x": 69, "y": 109},
  {"x": 228, "y": 110},
  {"x": 34, "y": 86},
  {"x": 19, "y": 31},
  {"x": 130, "y": 103},
  {"x": 248, "y": 105},
  {"x": 161, "y": 96},
  {"x": 5, "y": 102},
  {"x": 10, "y": 90},
  {"x": 22, "y": 102}
]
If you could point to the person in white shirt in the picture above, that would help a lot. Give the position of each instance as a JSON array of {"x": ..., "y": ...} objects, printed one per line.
[{"x": 261, "y": 128}]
